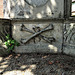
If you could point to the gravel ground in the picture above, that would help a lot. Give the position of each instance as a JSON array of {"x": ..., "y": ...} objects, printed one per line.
[{"x": 37, "y": 64}]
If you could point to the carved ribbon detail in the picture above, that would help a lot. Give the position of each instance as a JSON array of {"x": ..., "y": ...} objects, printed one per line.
[{"x": 38, "y": 32}]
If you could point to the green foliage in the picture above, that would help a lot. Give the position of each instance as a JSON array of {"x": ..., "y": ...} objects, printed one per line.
[{"x": 10, "y": 43}]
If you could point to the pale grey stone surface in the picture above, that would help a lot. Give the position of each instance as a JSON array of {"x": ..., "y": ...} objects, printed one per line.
[
  {"x": 36, "y": 3},
  {"x": 6, "y": 8},
  {"x": 36, "y": 9},
  {"x": 69, "y": 38},
  {"x": 37, "y": 48},
  {"x": 42, "y": 45}
]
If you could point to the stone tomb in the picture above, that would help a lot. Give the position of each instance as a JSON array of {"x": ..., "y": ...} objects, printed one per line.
[{"x": 38, "y": 37}]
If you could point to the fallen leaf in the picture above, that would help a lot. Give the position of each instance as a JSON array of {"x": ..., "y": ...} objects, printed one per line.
[{"x": 50, "y": 62}]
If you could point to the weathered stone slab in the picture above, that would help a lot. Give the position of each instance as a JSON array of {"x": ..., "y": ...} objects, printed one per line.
[
  {"x": 49, "y": 41},
  {"x": 69, "y": 38},
  {"x": 37, "y": 48},
  {"x": 36, "y": 9}
]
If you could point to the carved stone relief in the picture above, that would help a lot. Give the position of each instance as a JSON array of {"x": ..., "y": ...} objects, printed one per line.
[
  {"x": 36, "y": 3},
  {"x": 38, "y": 37},
  {"x": 4, "y": 30},
  {"x": 69, "y": 38},
  {"x": 6, "y": 8},
  {"x": 37, "y": 31},
  {"x": 69, "y": 33},
  {"x": 36, "y": 9}
]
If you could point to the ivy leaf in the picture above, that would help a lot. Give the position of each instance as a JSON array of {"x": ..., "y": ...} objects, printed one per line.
[
  {"x": 8, "y": 36},
  {"x": 17, "y": 44},
  {"x": 5, "y": 43},
  {"x": 10, "y": 48},
  {"x": 12, "y": 41},
  {"x": 9, "y": 41}
]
